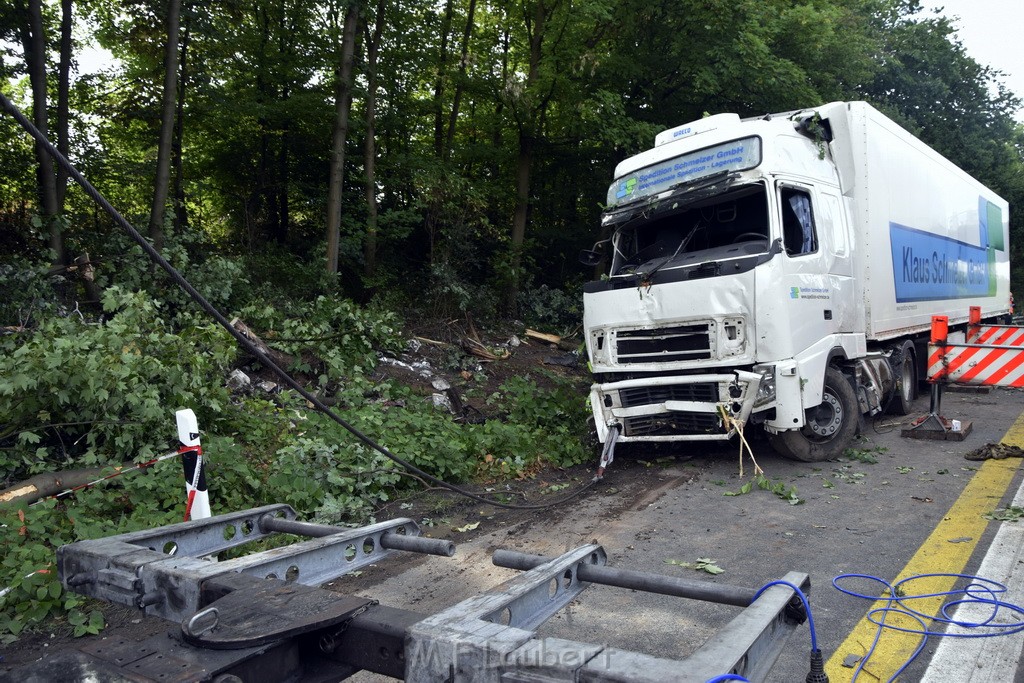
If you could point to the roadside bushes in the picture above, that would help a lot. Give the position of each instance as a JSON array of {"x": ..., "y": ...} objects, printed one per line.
[{"x": 75, "y": 391}]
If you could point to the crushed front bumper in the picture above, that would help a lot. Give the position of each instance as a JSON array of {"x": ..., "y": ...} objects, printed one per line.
[{"x": 676, "y": 408}]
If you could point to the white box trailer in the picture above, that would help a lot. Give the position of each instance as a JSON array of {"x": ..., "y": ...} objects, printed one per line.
[{"x": 783, "y": 271}]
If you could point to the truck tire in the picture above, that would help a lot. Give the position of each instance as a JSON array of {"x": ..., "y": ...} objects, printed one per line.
[
  {"x": 829, "y": 427},
  {"x": 904, "y": 368}
]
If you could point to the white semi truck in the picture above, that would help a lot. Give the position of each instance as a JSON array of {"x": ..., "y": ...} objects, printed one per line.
[{"x": 782, "y": 271}]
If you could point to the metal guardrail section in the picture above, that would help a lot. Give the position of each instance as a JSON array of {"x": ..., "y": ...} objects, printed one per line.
[{"x": 261, "y": 619}]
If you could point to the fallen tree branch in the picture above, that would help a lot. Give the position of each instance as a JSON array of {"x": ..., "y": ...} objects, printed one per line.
[
  {"x": 566, "y": 344},
  {"x": 281, "y": 359},
  {"x": 431, "y": 341},
  {"x": 48, "y": 484},
  {"x": 59, "y": 484},
  {"x": 477, "y": 349}
]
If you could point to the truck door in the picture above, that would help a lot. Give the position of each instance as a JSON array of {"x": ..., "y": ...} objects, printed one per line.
[{"x": 808, "y": 226}]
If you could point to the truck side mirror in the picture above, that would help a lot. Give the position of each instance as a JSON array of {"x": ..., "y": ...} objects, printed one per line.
[{"x": 590, "y": 257}]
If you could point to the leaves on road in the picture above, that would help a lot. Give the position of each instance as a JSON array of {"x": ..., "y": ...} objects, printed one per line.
[{"x": 705, "y": 564}]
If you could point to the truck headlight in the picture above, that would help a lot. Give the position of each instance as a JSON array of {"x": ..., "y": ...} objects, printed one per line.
[{"x": 766, "y": 389}]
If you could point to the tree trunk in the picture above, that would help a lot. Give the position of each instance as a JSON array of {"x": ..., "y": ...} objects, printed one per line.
[
  {"x": 442, "y": 64},
  {"x": 523, "y": 164},
  {"x": 63, "y": 98},
  {"x": 282, "y": 218},
  {"x": 343, "y": 105},
  {"x": 529, "y": 120},
  {"x": 370, "y": 147},
  {"x": 163, "y": 158},
  {"x": 500, "y": 106},
  {"x": 279, "y": 203},
  {"x": 180, "y": 210},
  {"x": 35, "y": 56},
  {"x": 460, "y": 82}
]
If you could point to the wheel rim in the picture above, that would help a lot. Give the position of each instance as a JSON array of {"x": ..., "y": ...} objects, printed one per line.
[{"x": 825, "y": 420}]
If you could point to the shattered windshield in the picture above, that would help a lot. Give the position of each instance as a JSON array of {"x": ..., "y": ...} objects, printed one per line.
[{"x": 724, "y": 226}]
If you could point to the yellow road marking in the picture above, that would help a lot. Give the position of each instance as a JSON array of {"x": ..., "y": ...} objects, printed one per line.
[{"x": 936, "y": 555}]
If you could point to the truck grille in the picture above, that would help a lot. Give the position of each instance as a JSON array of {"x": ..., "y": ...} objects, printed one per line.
[
  {"x": 706, "y": 392},
  {"x": 676, "y": 424},
  {"x": 664, "y": 344}
]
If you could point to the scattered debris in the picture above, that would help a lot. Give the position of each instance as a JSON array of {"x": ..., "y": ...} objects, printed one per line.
[
  {"x": 475, "y": 348},
  {"x": 851, "y": 661},
  {"x": 920, "y": 499},
  {"x": 421, "y": 368},
  {"x": 868, "y": 455},
  {"x": 541, "y": 336},
  {"x": 468, "y": 527},
  {"x": 702, "y": 564},
  {"x": 568, "y": 360},
  {"x": 1010, "y": 514},
  {"x": 762, "y": 482},
  {"x": 239, "y": 382},
  {"x": 995, "y": 451},
  {"x": 414, "y": 343},
  {"x": 960, "y": 539},
  {"x": 564, "y": 343},
  {"x": 441, "y": 401}
]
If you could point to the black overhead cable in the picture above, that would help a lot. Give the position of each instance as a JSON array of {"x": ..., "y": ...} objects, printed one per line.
[{"x": 251, "y": 348}]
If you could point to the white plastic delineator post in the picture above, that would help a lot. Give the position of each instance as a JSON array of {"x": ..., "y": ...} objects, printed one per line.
[{"x": 198, "y": 501}]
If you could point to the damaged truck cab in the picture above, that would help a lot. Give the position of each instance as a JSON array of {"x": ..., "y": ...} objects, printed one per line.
[{"x": 782, "y": 271}]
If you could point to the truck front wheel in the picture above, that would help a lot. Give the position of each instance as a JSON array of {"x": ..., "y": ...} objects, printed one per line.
[{"x": 828, "y": 428}]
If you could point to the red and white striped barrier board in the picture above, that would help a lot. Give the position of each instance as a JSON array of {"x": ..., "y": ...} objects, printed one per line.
[
  {"x": 996, "y": 362},
  {"x": 997, "y": 335}
]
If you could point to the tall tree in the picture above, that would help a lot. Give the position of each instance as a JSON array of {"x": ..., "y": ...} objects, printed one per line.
[
  {"x": 343, "y": 107},
  {"x": 178, "y": 140},
  {"x": 63, "y": 98},
  {"x": 168, "y": 110},
  {"x": 372, "y": 42},
  {"x": 34, "y": 41},
  {"x": 460, "y": 81}
]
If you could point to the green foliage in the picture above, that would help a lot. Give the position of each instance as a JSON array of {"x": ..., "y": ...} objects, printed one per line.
[
  {"x": 192, "y": 253},
  {"x": 786, "y": 493},
  {"x": 330, "y": 338},
  {"x": 548, "y": 308},
  {"x": 33, "y": 592},
  {"x": 558, "y": 416},
  {"x": 868, "y": 455},
  {"x": 91, "y": 390},
  {"x": 27, "y": 294},
  {"x": 1007, "y": 514},
  {"x": 279, "y": 276}
]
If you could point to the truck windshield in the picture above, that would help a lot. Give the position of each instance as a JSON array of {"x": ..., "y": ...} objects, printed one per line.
[{"x": 727, "y": 225}]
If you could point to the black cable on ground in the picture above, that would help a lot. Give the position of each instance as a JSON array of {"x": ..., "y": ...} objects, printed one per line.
[{"x": 251, "y": 348}]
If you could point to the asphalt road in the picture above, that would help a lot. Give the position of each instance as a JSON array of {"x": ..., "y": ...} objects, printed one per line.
[{"x": 656, "y": 509}]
